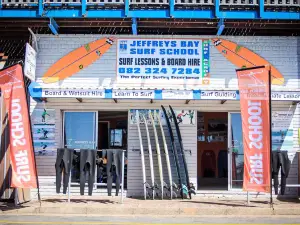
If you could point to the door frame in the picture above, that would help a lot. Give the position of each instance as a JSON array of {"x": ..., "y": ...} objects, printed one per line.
[{"x": 229, "y": 139}]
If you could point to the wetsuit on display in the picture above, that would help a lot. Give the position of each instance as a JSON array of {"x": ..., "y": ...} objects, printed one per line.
[
  {"x": 87, "y": 167},
  {"x": 280, "y": 159},
  {"x": 63, "y": 165},
  {"x": 114, "y": 157}
]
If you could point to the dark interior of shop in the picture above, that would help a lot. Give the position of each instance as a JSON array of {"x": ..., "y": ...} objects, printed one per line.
[{"x": 212, "y": 131}]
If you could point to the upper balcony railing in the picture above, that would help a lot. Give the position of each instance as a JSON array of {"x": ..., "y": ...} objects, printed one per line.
[{"x": 196, "y": 9}]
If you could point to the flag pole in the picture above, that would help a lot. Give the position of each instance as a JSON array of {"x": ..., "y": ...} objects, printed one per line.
[
  {"x": 270, "y": 115},
  {"x": 29, "y": 117}
]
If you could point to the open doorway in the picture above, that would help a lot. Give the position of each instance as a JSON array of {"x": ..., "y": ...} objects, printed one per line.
[
  {"x": 112, "y": 134},
  {"x": 95, "y": 130},
  {"x": 212, "y": 161}
]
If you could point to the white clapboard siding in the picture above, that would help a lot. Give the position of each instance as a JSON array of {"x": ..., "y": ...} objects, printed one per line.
[
  {"x": 282, "y": 52},
  {"x": 45, "y": 164},
  {"x": 48, "y": 189}
]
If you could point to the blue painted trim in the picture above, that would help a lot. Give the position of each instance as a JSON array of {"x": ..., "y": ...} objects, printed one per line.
[
  {"x": 53, "y": 30},
  {"x": 193, "y": 14},
  {"x": 220, "y": 30},
  {"x": 40, "y": 8},
  {"x": 261, "y": 7},
  {"x": 159, "y": 14},
  {"x": 281, "y": 15},
  {"x": 172, "y": 8},
  {"x": 238, "y": 15},
  {"x": 53, "y": 26},
  {"x": 158, "y": 94},
  {"x": 35, "y": 90},
  {"x": 221, "y": 27},
  {"x": 217, "y": 8},
  {"x": 134, "y": 26},
  {"x": 108, "y": 93},
  {"x": 126, "y": 7},
  {"x": 149, "y": 13},
  {"x": 83, "y": 8},
  {"x": 196, "y": 94},
  {"x": 221, "y": 22}
]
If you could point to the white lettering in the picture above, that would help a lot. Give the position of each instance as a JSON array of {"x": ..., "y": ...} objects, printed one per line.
[
  {"x": 255, "y": 124},
  {"x": 22, "y": 163},
  {"x": 256, "y": 169},
  {"x": 17, "y": 130}
]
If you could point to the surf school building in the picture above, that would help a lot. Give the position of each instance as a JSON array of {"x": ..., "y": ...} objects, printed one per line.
[{"x": 88, "y": 88}]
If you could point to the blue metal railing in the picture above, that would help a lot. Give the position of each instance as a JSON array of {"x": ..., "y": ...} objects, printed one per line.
[{"x": 196, "y": 9}]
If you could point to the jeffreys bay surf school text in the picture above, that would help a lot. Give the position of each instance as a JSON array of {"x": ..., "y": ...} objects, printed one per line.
[{"x": 155, "y": 59}]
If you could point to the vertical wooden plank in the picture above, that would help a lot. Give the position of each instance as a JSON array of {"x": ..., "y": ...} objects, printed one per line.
[
  {"x": 5, "y": 191},
  {"x": 298, "y": 154}
]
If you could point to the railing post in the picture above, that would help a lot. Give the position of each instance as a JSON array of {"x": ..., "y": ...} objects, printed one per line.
[
  {"x": 83, "y": 8},
  {"x": 40, "y": 8},
  {"x": 217, "y": 8},
  {"x": 261, "y": 8},
  {"x": 172, "y": 6},
  {"x": 126, "y": 7}
]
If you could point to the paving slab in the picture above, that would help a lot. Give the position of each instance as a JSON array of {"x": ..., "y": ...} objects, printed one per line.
[{"x": 111, "y": 206}]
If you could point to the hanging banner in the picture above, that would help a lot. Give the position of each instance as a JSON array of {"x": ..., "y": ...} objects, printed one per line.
[
  {"x": 21, "y": 149},
  {"x": 254, "y": 99},
  {"x": 157, "y": 60}
]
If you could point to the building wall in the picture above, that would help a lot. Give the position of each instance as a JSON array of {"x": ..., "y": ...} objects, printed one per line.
[
  {"x": 45, "y": 164},
  {"x": 282, "y": 52}
]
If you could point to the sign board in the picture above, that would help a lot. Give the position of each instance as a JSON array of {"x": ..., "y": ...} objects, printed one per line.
[
  {"x": 140, "y": 94},
  {"x": 156, "y": 94},
  {"x": 160, "y": 60},
  {"x": 73, "y": 93},
  {"x": 30, "y": 62}
]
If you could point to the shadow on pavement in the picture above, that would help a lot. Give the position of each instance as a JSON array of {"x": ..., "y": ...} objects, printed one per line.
[
  {"x": 101, "y": 201},
  {"x": 9, "y": 205}
]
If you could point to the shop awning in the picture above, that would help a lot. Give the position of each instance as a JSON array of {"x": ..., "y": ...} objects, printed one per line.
[{"x": 38, "y": 92}]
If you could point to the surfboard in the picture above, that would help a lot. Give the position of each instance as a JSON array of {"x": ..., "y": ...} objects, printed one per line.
[
  {"x": 150, "y": 157},
  {"x": 170, "y": 187},
  {"x": 187, "y": 177},
  {"x": 3, "y": 59},
  {"x": 174, "y": 151},
  {"x": 77, "y": 60},
  {"x": 158, "y": 156},
  {"x": 142, "y": 154},
  {"x": 243, "y": 57}
]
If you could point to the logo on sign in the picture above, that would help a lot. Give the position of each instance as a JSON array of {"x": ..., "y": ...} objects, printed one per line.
[{"x": 123, "y": 46}]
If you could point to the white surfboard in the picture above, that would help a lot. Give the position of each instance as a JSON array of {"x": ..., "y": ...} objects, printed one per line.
[
  {"x": 142, "y": 154},
  {"x": 167, "y": 157},
  {"x": 158, "y": 156},
  {"x": 150, "y": 156}
]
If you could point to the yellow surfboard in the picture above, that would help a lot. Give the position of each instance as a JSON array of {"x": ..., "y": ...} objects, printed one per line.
[
  {"x": 243, "y": 57},
  {"x": 77, "y": 60}
]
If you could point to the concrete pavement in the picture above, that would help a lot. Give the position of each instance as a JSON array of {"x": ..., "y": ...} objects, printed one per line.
[
  {"x": 144, "y": 220},
  {"x": 199, "y": 206}
]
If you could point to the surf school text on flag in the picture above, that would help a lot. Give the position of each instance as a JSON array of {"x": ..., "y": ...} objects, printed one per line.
[
  {"x": 21, "y": 149},
  {"x": 255, "y": 99}
]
